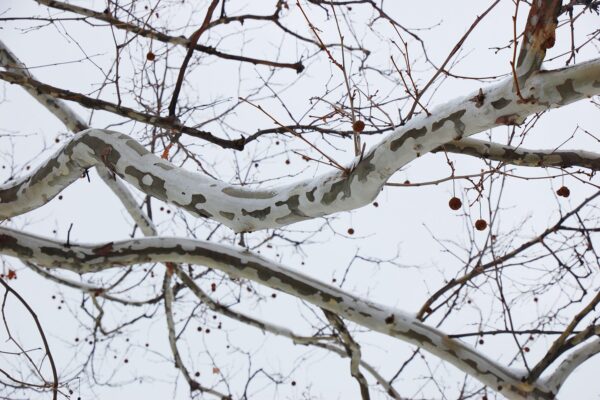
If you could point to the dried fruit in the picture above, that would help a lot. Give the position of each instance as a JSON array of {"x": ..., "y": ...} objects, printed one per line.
[
  {"x": 480, "y": 224},
  {"x": 150, "y": 56},
  {"x": 350, "y": 231},
  {"x": 563, "y": 191},
  {"x": 358, "y": 126},
  {"x": 455, "y": 203}
]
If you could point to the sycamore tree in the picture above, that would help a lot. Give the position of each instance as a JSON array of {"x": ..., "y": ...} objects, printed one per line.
[{"x": 298, "y": 198}]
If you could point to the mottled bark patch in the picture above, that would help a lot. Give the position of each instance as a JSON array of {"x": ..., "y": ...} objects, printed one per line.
[
  {"x": 228, "y": 215},
  {"x": 157, "y": 186},
  {"x": 293, "y": 204},
  {"x": 245, "y": 194},
  {"x": 203, "y": 213},
  {"x": 455, "y": 118},
  {"x": 11, "y": 194},
  {"x": 197, "y": 199},
  {"x": 138, "y": 148},
  {"x": 103, "y": 151},
  {"x": 344, "y": 185},
  {"x": 11, "y": 243},
  {"x": 500, "y": 103},
  {"x": 311, "y": 195},
  {"x": 567, "y": 92},
  {"x": 259, "y": 214},
  {"x": 411, "y": 133}
]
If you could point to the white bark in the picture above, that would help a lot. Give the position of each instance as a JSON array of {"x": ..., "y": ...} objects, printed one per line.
[
  {"x": 570, "y": 364},
  {"x": 244, "y": 264},
  {"x": 244, "y": 209},
  {"x": 75, "y": 124}
]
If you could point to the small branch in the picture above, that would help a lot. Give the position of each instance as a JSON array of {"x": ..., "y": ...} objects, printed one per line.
[
  {"x": 42, "y": 334},
  {"x": 193, "y": 41}
]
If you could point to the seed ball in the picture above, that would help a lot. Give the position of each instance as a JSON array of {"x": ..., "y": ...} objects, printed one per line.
[
  {"x": 358, "y": 126},
  {"x": 455, "y": 203},
  {"x": 563, "y": 191},
  {"x": 150, "y": 56},
  {"x": 350, "y": 231},
  {"x": 480, "y": 224}
]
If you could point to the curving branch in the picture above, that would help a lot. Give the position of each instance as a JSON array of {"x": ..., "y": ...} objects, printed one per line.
[
  {"x": 521, "y": 156},
  {"x": 245, "y": 210},
  {"x": 244, "y": 264},
  {"x": 574, "y": 360},
  {"x": 75, "y": 124},
  {"x": 278, "y": 330}
]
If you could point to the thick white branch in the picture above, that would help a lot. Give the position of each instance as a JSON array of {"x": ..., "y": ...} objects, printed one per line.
[
  {"x": 245, "y": 209},
  {"x": 75, "y": 124},
  {"x": 570, "y": 364},
  {"x": 241, "y": 263}
]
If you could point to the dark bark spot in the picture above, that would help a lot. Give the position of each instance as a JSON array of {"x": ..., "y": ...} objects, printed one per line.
[
  {"x": 567, "y": 92},
  {"x": 259, "y": 214},
  {"x": 500, "y": 103},
  {"x": 455, "y": 118},
  {"x": 412, "y": 133}
]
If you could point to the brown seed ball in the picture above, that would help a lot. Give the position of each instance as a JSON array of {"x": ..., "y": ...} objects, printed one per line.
[
  {"x": 481, "y": 341},
  {"x": 150, "y": 56},
  {"x": 480, "y": 224},
  {"x": 455, "y": 203},
  {"x": 358, "y": 126},
  {"x": 350, "y": 231},
  {"x": 563, "y": 191}
]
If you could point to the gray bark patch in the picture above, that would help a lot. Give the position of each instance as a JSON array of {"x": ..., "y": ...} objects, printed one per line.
[
  {"x": 567, "y": 92},
  {"x": 11, "y": 243},
  {"x": 344, "y": 185},
  {"x": 138, "y": 148},
  {"x": 156, "y": 188},
  {"x": 243, "y": 194},
  {"x": 228, "y": 215},
  {"x": 259, "y": 214},
  {"x": 311, "y": 195},
  {"x": 295, "y": 215},
  {"x": 412, "y": 133},
  {"x": 455, "y": 118},
  {"x": 500, "y": 103}
]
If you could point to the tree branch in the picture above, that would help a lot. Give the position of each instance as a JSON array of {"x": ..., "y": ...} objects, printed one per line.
[
  {"x": 244, "y": 264},
  {"x": 245, "y": 210},
  {"x": 164, "y": 38},
  {"x": 522, "y": 156}
]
